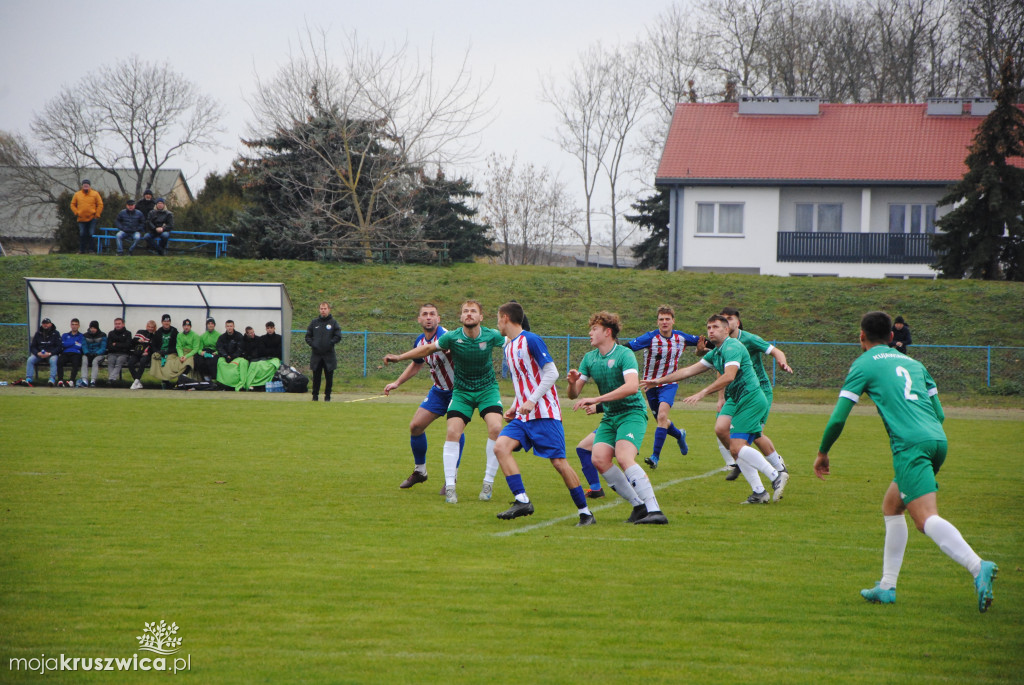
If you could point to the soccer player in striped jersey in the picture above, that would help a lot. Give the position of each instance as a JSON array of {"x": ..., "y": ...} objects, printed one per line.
[
  {"x": 624, "y": 422},
  {"x": 756, "y": 348},
  {"x": 475, "y": 388},
  {"x": 662, "y": 349},
  {"x": 535, "y": 418},
  {"x": 908, "y": 402},
  {"x": 439, "y": 396}
]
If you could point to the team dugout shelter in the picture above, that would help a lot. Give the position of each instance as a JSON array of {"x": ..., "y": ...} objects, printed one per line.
[{"x": 247, "y": 304}]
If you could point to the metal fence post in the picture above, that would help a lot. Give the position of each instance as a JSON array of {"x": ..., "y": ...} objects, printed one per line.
[
  {"x": 567, "y": 344},
  {"x": 988, "y": 367},
  {"x": 366, "y": 343}
]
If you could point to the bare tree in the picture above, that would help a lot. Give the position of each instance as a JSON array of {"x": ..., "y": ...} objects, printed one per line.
[
  {"x": 989, "y": 31},
  {"x": 739, "y": 28},
  {"x": 381, "y": 114},
  {"x": 133, "y": 115},
  {"x": 581, "y": 131}
]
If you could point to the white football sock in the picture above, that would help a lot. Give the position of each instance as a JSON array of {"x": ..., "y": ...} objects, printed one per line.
[
  {"x": 421, "y": 469},
  {"x": 750, "y": 473},
  {"x": 450, "y": 457},
  {"x": 775, "y": 459},
  {"x": 950, "y": 541},
  {"x": 896, "y": 537},
  {"x": 726, "y": 454},
  {"x": 492, "y": 462},
  {"x": 642, "y": 485},
  {"x": 618, "y": 482},
  {"x": 754, "y": 458}
]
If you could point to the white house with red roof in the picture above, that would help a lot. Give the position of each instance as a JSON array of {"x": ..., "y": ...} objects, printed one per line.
[{"x": 792, "y": 186}]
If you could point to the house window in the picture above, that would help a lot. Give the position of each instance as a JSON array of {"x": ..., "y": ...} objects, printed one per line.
[
  {"x": 819, "y": 217},
  {"x": 719, "y": 218},
  {"x": 912, "y": 218}
]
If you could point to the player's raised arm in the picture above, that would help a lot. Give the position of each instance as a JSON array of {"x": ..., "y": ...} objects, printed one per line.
[
  {"x": 677, "y": 375},
  {"x": 630, "y": 384},
  {"x": 780, "y": 357},
  {"x": 415, "y": 353},
  {"x": 407, "y": 373},
  {"x": 724, "y": 379},
  {"x": 575, "y": 383}
]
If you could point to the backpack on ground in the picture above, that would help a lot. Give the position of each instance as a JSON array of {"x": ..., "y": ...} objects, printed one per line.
[{"x": 292, "y": 379}]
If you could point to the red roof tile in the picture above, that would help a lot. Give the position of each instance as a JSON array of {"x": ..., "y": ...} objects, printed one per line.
[{"x": 869, "y": 142}]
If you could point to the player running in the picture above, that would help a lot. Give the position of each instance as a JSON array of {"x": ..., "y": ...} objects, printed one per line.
[
  {"x": 435, "y": 404},
  {"x": 663, "y": 348},
  {"x": 621, "y": 433},
  {"x": 535, "y": 418},
  {"x": 475, "y": 388},
  {"x": 756, "y": 347},
  {"x": 744, "y": 402},
  {"x": 908, "y": 402}
]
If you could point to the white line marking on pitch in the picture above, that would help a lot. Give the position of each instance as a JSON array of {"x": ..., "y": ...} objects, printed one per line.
[{"x": 617, "y": 502}]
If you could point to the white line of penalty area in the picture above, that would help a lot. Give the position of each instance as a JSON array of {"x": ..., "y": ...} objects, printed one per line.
[{"x": 617, "y": 501}]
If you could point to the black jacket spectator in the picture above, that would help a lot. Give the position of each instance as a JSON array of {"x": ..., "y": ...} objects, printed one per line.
[
  {"x": 130, "y": 221},
  {"x": 119, "y": 341},
  {"x": 141, "y": 343},
  {"x": 160, "y": 218},
  {"x": 165, "y": 342},
  {"x": 322, "y": 335},
  {"x": 146, "y": 205},
  {"x": 250, "y": 347},
  {"x": 900, "y": 335},
  {"x": 46, "y": 341},
  {"x": 270, "y": 346},
  {"x": 229, "y": 345}
]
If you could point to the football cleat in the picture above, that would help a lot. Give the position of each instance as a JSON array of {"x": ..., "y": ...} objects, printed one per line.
[
  {"x": 594, "y": 494},
  {"x": 983, "y": 584},
  {"x": 683, "y": 447},
  {"x": 585, "y": 520},
  {"x": 639, "y": 511},
  {"x": 734, "y": 472},
  {"x": 654, "y": 517},
  {"x": 877, "y": 595},
  {"x": 779, "y": 484},
  {"x": 412, "y": 480},
  {"x": 486, "y": 491},
  {"x": 651, "y": 461},
  {"x": 757, "y": 498},
  {"x": 449, "y": 495},
  {"x": 516, "y": 510}
]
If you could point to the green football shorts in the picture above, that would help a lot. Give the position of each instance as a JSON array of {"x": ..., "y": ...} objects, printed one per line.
[
  {"x": 629, "y": 426},
  {"x": 465, "y": 401},
  {"x": 749, "y": 414},
  {"x": 916, "y": 467}
]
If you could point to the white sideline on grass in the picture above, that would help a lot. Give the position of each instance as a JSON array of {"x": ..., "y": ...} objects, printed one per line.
[{"x": 617, "y": 501}]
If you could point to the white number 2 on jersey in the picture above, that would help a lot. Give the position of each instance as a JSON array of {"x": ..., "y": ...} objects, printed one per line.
[{"x": 903, "y": 373}]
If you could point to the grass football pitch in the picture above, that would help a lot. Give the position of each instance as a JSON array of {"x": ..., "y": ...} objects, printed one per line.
[{"x": 272, "y": 532}]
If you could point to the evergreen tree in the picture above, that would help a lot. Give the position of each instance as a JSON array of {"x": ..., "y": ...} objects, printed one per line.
[
  {"x": 652, "y": 215},
  {"x": 983, "y": 236},
  {"x": 441, "y": 205}
]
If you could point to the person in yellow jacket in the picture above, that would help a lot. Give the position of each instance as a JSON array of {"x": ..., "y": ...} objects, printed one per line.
[{"x": 87, "y": 205}]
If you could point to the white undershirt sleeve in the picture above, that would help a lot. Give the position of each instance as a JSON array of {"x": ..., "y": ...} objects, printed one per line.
[{"x": 548, "y": 376}]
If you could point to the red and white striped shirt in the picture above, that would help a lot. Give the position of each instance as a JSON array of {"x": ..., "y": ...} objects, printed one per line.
[
  {"x": 661, "y": 353},
  {"x": 526, "y": 356},
  {"x": 439, "y": 363}
]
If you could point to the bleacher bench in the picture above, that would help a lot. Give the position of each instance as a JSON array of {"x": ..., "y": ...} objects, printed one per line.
[{"x": 196, "y": 239}]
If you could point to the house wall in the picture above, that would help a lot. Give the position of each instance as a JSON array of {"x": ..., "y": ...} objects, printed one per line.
[{"x": 726, "y": 253}]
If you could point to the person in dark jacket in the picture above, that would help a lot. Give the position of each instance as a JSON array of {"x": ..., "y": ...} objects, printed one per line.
[
  {"x": 270, "y": 345},
  {"x": 321, "y": 336},
  {"x": 94, "y": 351},
  {"x": 163, "y": 349},
  {"x": 147, "y": 204},
  {"x": 138, "y": 360},
  {"x": 44, "y": 348},
  {"x": 160, "y": 224},
  {"x": 119, "y": 346},
  {"x": 250, "y": 344},
  {"x": 229, "y": 344},
  {"x": 900, "y": 335},
  {"x": 129, "y": 221}
]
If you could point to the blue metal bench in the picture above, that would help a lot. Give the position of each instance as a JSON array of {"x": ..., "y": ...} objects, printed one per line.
[{"x": 197, "y": 239}]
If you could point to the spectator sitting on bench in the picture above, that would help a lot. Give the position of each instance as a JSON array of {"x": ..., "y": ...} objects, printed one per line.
[
  {"x": 44, "y": 348},
  {"x": 139, "y": 358},
  {"x": 129, "y": 221},
  {"x": 94, "y": 350},
  {"x": 250, "y": 344},
  {"x": 160, "y": 223},
  {"x": 70, "y": 355},
  {"x": 119, "y": 346},
  {"x": 163, "y": 352},
  {"x": 206, "y": 360},
  {"x": 271, "y": 345},
  {"x": 188, "y": 346}
]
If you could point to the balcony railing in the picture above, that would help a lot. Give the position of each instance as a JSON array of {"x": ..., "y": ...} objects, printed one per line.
[{"x": 849, "y": 248}]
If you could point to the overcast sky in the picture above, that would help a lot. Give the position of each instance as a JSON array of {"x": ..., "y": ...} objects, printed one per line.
[{"x": 222, "y": 45}]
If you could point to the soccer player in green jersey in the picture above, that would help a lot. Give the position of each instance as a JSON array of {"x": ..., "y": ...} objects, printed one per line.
[
  {"x": 475, "y": 388},
  {"x": 908, "y": 402},
  {"x": 756, "y": 347},
  {"x": 744, "y": 402},
  {"x": 624, "y": 422}
]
